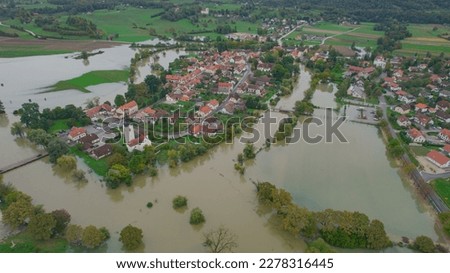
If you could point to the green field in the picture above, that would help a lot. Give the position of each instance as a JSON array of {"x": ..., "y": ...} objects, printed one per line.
[
  {"x": 424, "y": 39},
  {"x": 363, "y": 35},
  {"x": 26, "y": 51},
  {"x": 59, "y": 125},
  {"x": 442, "y": 188},
  {"x": 100, "y": 166},
  {"x": 89, "y": 79},
  {"x": 25, "y": 243}
]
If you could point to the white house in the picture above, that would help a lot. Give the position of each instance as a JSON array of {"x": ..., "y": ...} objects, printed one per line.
[
  {"x": 403, "y": 121},
  {"x": 77, "y": 133},
  {"x": 416, "y": 136},
  {"x": 129, "y": 109},
  {"x": 438, "y": 159}
]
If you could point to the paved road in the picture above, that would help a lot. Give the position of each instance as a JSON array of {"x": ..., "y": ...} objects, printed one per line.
[
  {"x": 332, "y": 36},
  {"x": 418, "y": 177},
  {"x": 280, "y": 40},
  {"x": 431, "y": 176}
]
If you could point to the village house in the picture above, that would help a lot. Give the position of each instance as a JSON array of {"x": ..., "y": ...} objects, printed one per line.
[
  {"x": 421, "y": 107},
  {"x": 438, "y": 159},
  {"x": 264, "y": 67},
  {"x": 224, "y": 87},
  {"x": 402, "y": 109},
  {"x": 444, "y": 134},
  {"x": 379, "y": 61},
  {"x": 76, "y": 133},
  {"x": 362, "y": 72},
  {"x": 446, "y": 149},
  {"x": 443, "y": 116},
  {"x": 443, "y": 105},
  {"x": 403, "y": 121},
  {"x": 96, "y": 111},
  {"x": 416, "y": 136},
  {"x": 204, "y": 111},
  {"x": 423, "y": 120},
  {"x": 356, "y": 91},
  {"x": 88, "y": 141},
  {"x": 102, "y": 151},
  {"x": 138, "y": 143},
  {"x": 128, "y": 109},
  {"x": 213, "y": 104}
]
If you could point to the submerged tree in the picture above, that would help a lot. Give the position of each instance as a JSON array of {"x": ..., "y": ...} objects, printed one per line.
[
  {"x": 17, "y": 129},
  {"x": 2, "y": 108},
  {"x": 131, "y": 237},
  {"x": 220, "y": 240}
]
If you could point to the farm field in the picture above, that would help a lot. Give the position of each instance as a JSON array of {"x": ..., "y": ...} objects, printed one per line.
[
  {"x": 91, "y": 78},
  {"x": 344, "y": 35},
  {"x": 425, "y": 38}
]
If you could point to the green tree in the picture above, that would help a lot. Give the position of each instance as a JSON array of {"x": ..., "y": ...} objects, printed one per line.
[
  {"x": 39, "y": 137},
  {"x": 376, "y": 236},
  {"x": 92, "y": 237},
  {"x": 79, "y": 176},
  {"x": 295, "y": 220},
  {"x": 319, "y": 246},
  {"x": 179, "y": 202},
  {"x": 116, "y": 158},
  {"x": 131, "y": 237},
  {"x": 17, "y": 129},
  {"x": 56, "y": 148},
  {"x": 197, "y": 217},
  {"x": 150, "y": 155},
  {"x": 303, "y": 108},
  {"x": 62, "y": 218},
  {"x": 137, "y": 164},
  {"x": 67, "y": 162},
  {"x": 30, "y": 115},
  {"x": 119, "y": 100},
  {"x": 74, "y": 234},
  {"x": 41, "y": 226},
  {"x": 424, "y": 244},
  {"x": 173, "y": 158},
  {"x": 220, "y": 240},
  {"x": 18, "y": 213},
  {"x": 118, "y": 174},
  {"x": 444, "y": 218},
  {"x": 2, "y": 108},
  {"x": 249, "y": 151}
]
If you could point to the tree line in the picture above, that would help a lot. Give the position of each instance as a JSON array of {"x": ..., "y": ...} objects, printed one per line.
[
  {"x": 412, "y": 11},
  {"x": 338, "y": 228}
]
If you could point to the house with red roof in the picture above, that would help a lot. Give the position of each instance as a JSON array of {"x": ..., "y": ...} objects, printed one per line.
[
  {"x": 446, "y": 149},
  {"x": 416, "y": 136},
  {"x": 423, "y": 119},
  {"x": 224, "y": 87},
  {"x": 129, "y": 108},
  {"x": 204, "y": 111},
  {"x": 403, "y": 121},
  {"x": 77, "y": 133},
  {"x": 213, "y": 104},
  {"x": 421, "y": 107},
  {"x": 438, "y": 159},
  {"x": 402, "y": 109},
  {"x": 98, "y": 110},
  {"x": 444, "y": 134}
]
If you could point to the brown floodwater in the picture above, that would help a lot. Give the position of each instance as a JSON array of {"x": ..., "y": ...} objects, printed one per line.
[{"x": 352, "y": 176}]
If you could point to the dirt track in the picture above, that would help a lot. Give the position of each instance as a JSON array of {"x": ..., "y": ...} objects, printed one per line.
[{"x": 51, "y": 44}]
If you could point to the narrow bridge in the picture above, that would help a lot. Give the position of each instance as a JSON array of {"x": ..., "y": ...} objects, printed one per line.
[{"x": 23, "y": 163}]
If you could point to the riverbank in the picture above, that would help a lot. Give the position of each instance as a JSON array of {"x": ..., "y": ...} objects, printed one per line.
[{"x": 16, "y": 47}]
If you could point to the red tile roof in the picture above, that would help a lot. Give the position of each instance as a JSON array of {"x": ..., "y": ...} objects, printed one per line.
[
  {"x": 205, "y": 109},
  {"x": 421, "y": 106},
  {"x": 128, "y": 105},
  {"x": 76, "y": 132},
  {"x": 447, "y": 148},
  {"x": 445, "y": 132},
  {"x": 414, "y": 133},
  {"x": 438, "y": 157}
]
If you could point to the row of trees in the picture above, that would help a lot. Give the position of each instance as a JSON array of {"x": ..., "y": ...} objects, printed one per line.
[
  {"x": 338, "y": 228},
  {"x": 32, "y": 118},
  {"x": 20, "y": 213}
]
